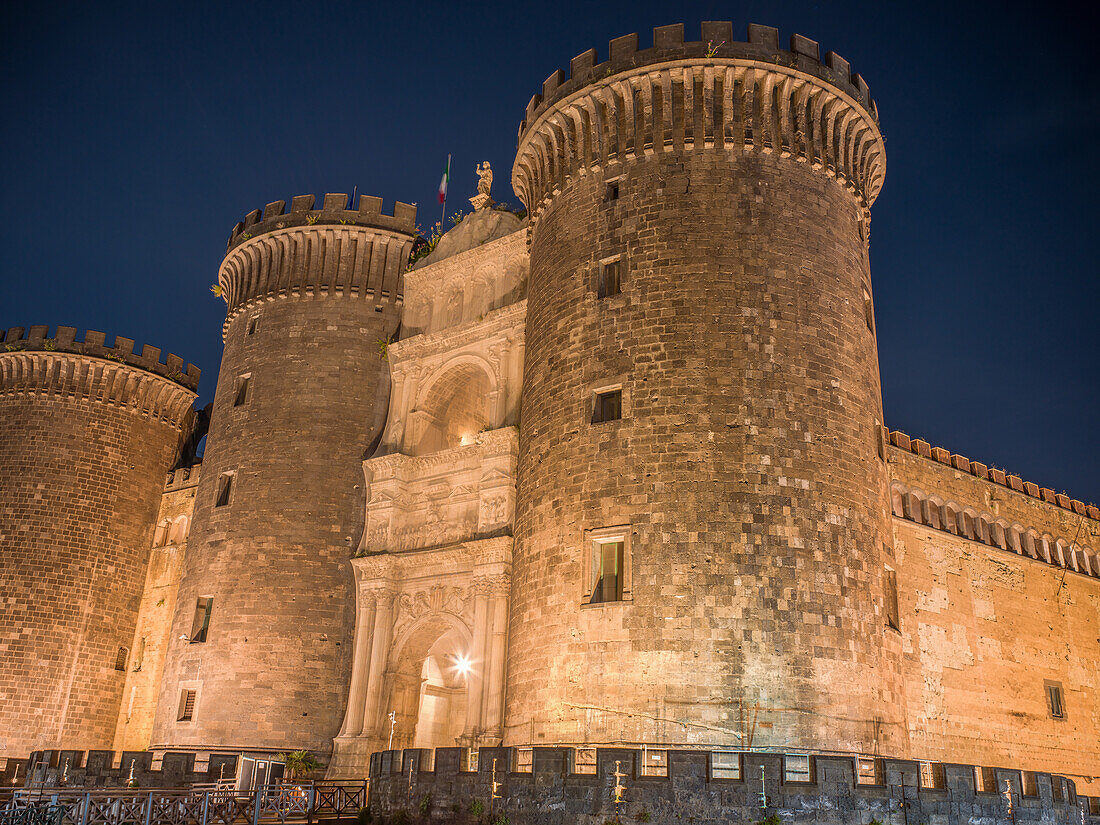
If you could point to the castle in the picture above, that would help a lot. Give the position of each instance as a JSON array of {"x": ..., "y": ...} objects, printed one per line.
[{"x": 610, "y": 472}]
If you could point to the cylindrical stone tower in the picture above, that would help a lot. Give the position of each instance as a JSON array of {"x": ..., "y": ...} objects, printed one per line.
[
  {"x": 261, "y": 641},
  {"x": 702, "y": 537},
  {"x": 87, "y": 436}
]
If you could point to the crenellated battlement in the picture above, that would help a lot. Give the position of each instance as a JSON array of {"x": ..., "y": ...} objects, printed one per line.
[
  {"x": 984, "y": 471},
  {"x": 64, "y": 340},
  {"x": 710, "y": 93},
  {"x": 183, "y": 477},
  {"x": 335, "y": 209},
  {"x": 308, "y": 253}
]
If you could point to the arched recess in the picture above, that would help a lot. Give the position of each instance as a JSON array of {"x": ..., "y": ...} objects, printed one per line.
[
  {"x": 428, "y": 685},
  {"x": 457, "y": 402}
]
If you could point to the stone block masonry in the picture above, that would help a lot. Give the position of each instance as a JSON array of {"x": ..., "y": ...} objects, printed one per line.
[
  {"x": 744, "y": 471},
  {"x": 279, "y": 508},
  {"x": 86, "y": 439},
  {"x": 549, "y": 792}
]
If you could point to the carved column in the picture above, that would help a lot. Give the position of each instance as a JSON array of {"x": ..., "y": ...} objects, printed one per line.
[
  {"x": 379, "y": 652},
  {"x": 475, "y": 680},
  {"x": 498, "y": 630},
  {"x": 360, "y": 664}
]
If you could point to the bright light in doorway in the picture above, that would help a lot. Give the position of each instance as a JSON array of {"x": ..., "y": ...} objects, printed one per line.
[{"x": 462, "y": 664}]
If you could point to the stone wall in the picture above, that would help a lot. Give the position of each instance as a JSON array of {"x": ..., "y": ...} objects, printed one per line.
[
  {"x": 990, "y": 615},
  {"x": 746, "y": 471},
  {"x": 550, "y": 793},
  {"x": 158, "y": 604},
  {"x": 85, "y": 443},
  {"x": 103, "y": 769},
  {"x": 310, "y": 294}
]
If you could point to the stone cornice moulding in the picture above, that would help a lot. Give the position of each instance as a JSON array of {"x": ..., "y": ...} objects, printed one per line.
[
  {"x": 476, "y": 557},
  {"x": 502, "y": 441},
  {"x": 464, "y": 266},
  {"x": 499, "y": 324}
]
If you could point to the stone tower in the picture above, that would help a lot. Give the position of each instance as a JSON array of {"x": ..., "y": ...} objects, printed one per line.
[
  {"x": 261, "y": 639},
  {"x": 87, "y": 436},
  {"x": 702, "y": 537}
]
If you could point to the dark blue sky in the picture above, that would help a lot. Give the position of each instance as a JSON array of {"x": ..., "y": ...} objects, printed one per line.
[{"x": 135, "y": 136}]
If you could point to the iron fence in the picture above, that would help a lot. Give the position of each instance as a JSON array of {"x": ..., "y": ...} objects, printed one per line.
[{"x": 288, "y": 802}]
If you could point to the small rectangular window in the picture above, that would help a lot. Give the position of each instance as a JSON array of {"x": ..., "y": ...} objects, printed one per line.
[
  {"x": 608, "y": 406},
  {"x": 200, "y": 624},
  {"x": 1028, "y": 783},
  {"x": 524, "y": 760},
  {"x": 225, "y": 485},
  {"x": 608, "y": 563},
  {"x": 869, "y": 771},
  {"x": 868, "y": 311},
  {"x": 1055, "y": 704},
  {"x": 932, "y": 776},
  {"x": 796, "y": 768},
  {"x": 470, "y": 758},
  {"x": 584, "y": 760},
  {"x": 120, "y": 658},
  {"x": 985, "y": 780},
  {"x": 1057, "y": 792},
  {"x": 244, "y": 382},
  {"x": 611, "y": 277},
  {"x": 613, "y": 190},
  {"x": 893, "y": 619},
  {"x": 654, "y": 762},
  {"x": 253, "y": 324},
  {"x": 187, "y": 706},
  {"x": 725, "y": 765}
]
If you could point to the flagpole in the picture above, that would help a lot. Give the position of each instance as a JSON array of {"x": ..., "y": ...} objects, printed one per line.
[{"x": 444, "y": 215}]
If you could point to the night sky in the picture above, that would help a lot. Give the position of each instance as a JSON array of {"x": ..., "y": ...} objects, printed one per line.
[{"x": 135, "y": 136}]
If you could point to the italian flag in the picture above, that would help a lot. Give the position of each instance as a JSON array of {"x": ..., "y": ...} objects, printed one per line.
[{"x": 443, "y": 181}]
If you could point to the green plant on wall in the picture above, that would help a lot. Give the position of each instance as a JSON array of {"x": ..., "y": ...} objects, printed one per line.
[
  {"x": 216, "y": 289},
  {"x": 384, "y": 346},
  {"x": 770, "y": 819},
  {"x": 425, "y": 804},
  {"x": 477, "y": 807}
]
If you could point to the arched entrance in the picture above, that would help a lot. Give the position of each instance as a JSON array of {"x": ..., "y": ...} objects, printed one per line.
[
  {"x": 453, "y": 408},
  {"x": 430, "y": 691}
]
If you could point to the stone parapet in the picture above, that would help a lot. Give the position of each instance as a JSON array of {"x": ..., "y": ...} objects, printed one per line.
[
  {"x": 93, "y": 345},
  {"x": 332, "y": 252},
  {"x": 543, "y": 785},
  {"x": 335, "y": 210},
  {"x": 987, "y": 473},
  {"x": 708, "y": 94},
  {"x": 46, "y": 374}
]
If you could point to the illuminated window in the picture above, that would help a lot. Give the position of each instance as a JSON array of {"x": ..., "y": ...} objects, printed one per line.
[
  {"x": 524, "y": 760},
  {"x": 120, "y": 658},
  {"x": 244, "y": 384},
  {"x": 611, "y": 278},
  {"x": 607, "y": 406},
  {"x": 187, "y": 706},
  {"x": 1055, "y": 704},
  {"x": 932, "y": 776},
  {"x": 725, "y": 765},
  {"x": 985, "y": 780},
  {"x": 608, "y": 566},
  {"x": 584, "y": 760},
  {"x": 225, "y": 486},
  {"x": 797, "y": 768},
  {"x": 869, "y": 771},
  {"x": 200, "y": 624}
]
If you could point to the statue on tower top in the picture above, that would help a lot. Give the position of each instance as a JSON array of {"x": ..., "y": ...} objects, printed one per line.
[{"x": 483, "y": 199}]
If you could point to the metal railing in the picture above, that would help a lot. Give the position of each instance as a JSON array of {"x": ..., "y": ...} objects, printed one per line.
[{"x": 287, "y": 802}]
